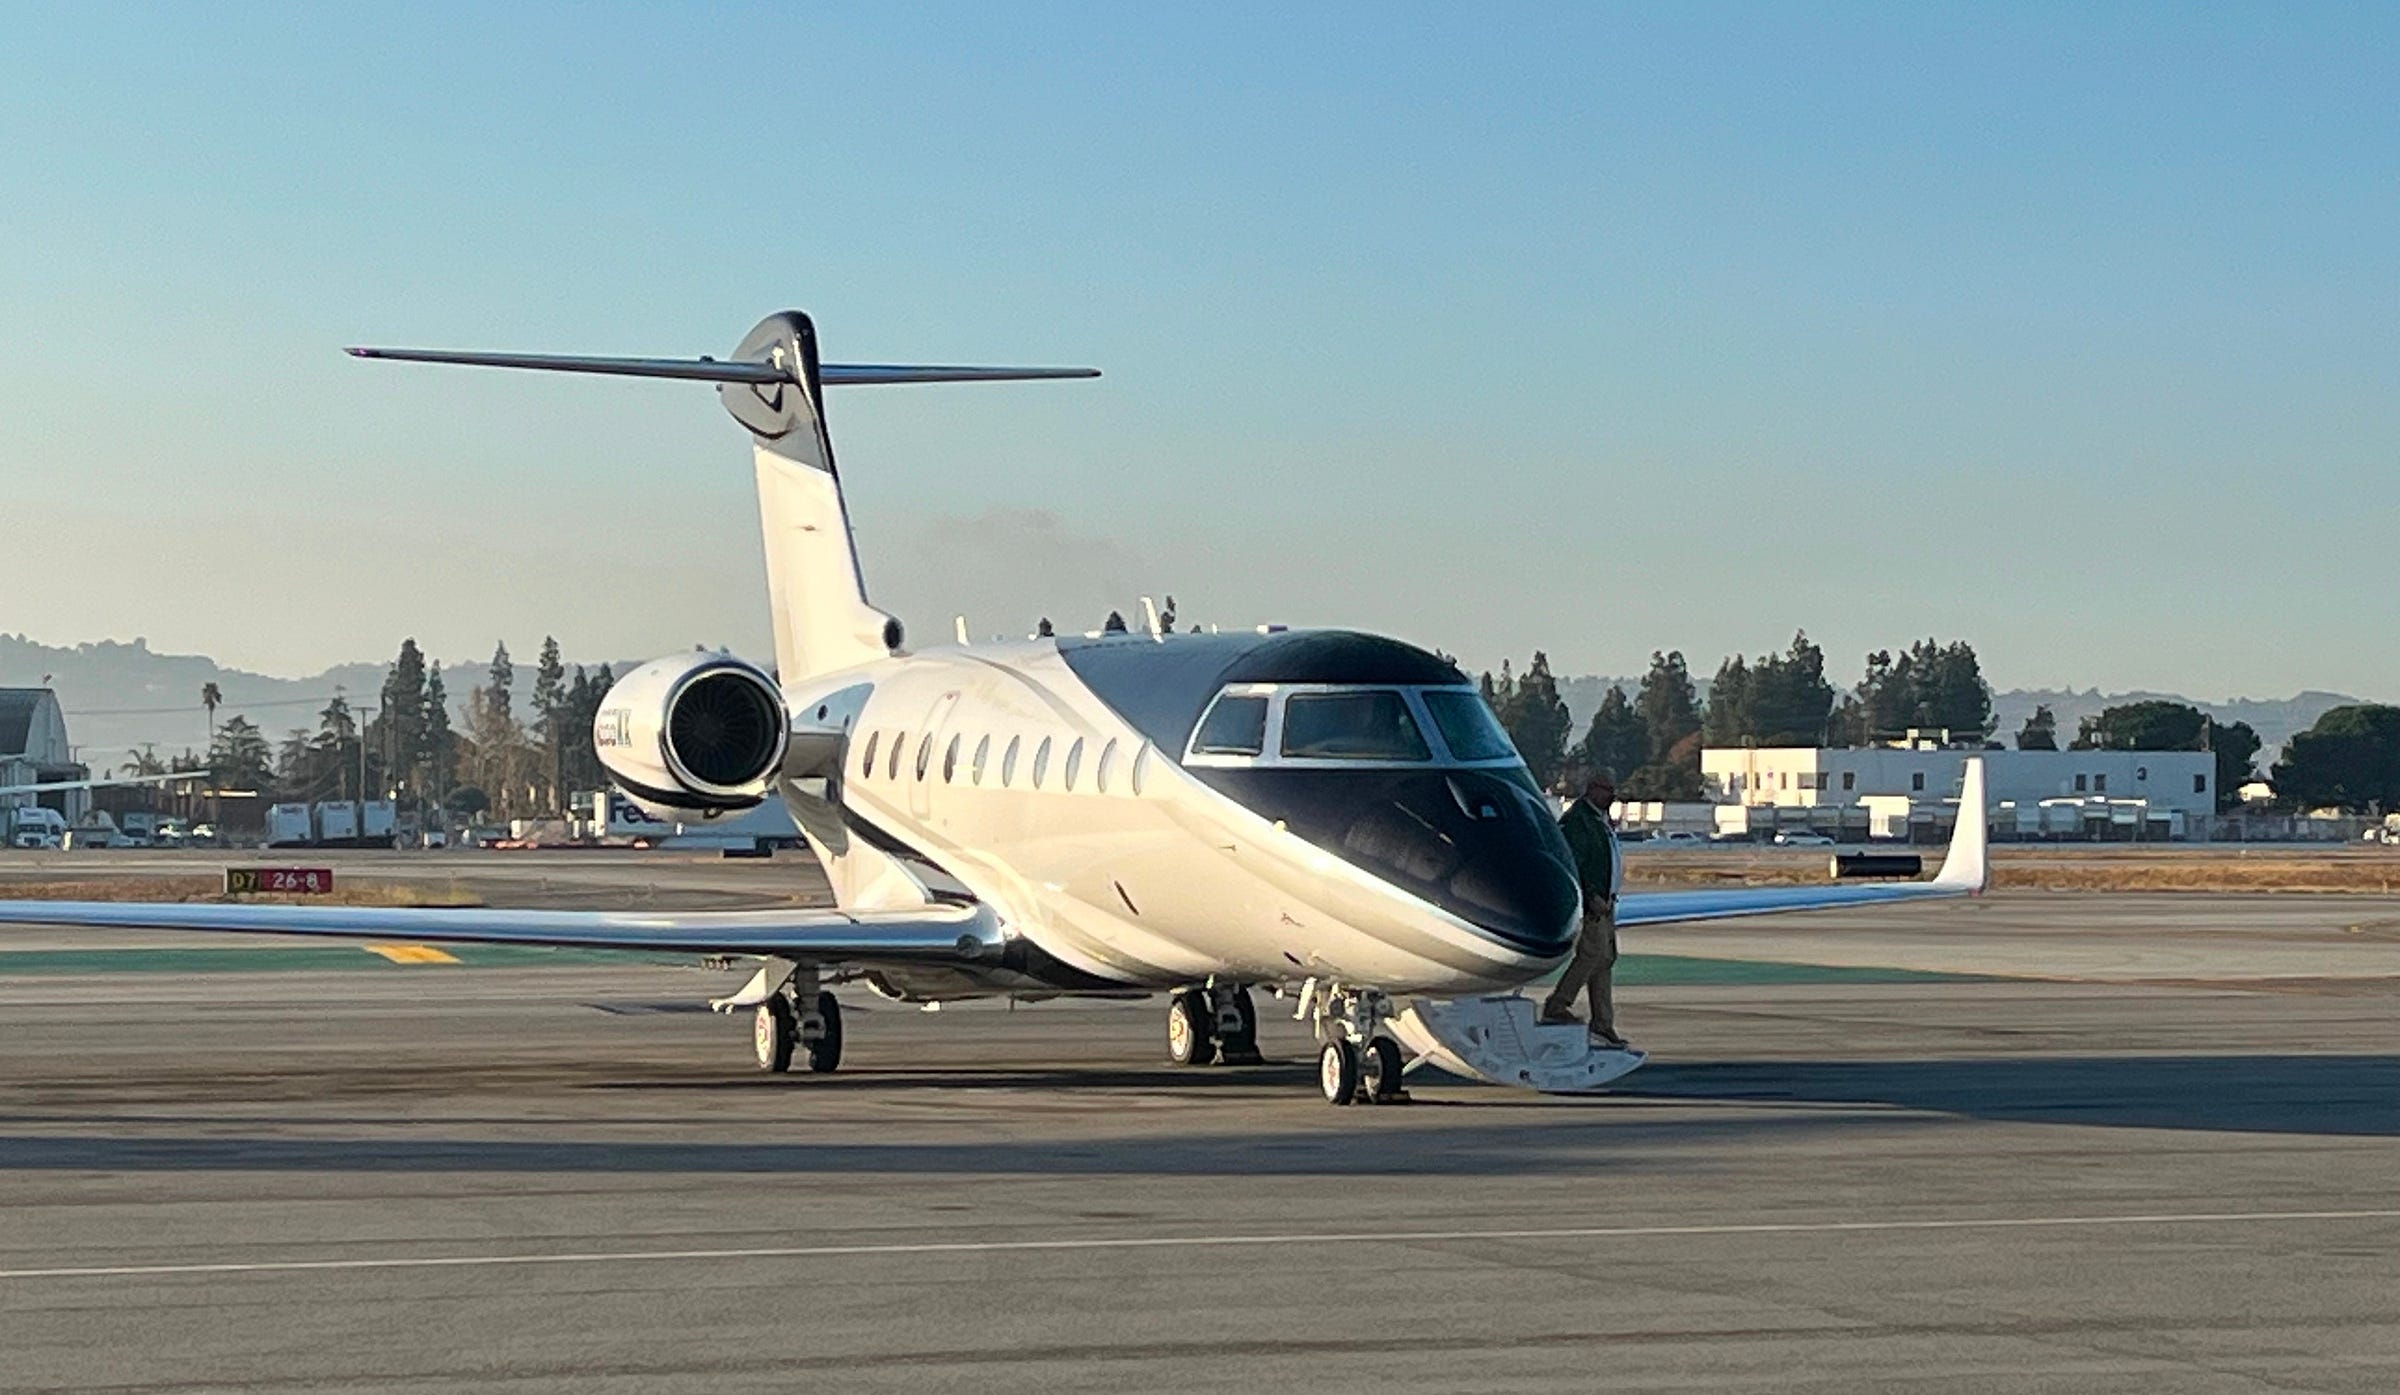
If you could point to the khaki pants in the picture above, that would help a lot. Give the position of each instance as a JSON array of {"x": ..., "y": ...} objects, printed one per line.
[{"x": 1591, "y": 969}]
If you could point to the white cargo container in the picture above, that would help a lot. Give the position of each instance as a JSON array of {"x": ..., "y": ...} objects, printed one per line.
[
  {"x": 379, "y": 821},
  {"x": 337, "y": 821},
  {"x": 290, "y": 826}
]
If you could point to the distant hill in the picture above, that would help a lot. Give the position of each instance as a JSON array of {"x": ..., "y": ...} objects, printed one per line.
[{"x": 120, "y": 696}]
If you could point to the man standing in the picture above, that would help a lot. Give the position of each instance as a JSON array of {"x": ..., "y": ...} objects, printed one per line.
[{"x": 1600, "y": 867}]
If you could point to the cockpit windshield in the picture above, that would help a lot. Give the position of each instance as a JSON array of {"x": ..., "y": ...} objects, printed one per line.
[
  {"x": 1369, "y": 724},
  {"x": 1467, "y": 725},
  {"x": 1327, "y": 724}
]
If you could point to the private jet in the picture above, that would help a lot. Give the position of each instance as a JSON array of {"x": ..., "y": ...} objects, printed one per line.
[{"x": 1329, "y": 815}]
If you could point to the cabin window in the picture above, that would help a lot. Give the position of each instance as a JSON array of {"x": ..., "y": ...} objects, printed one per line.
[
  {"x": 1108, "y": 764},
  {"x": 1236, "y": 725},
  {"x": 1074, "y": 761},
  {"x": 1041, "y": 762},
  {"x": 1141, "y": 766},
  {"x": 1008, "y": 762},
  {"x": 924, "y": 753},
  {"x": 2082, "y": 783},
  {"x": 1849, "y": 779},
  {"x": 2099, "y": 784},
  {"x": 950, "y": 761},
  {"x": 891, "y": 771},
  {"x": 1371, "y": 724},
  {"x": 866, "y": 767},
  {"x": 1467, "y": 725},
  {"x": 1917, "y": 781},
  {"x": 983, "y": 754}
]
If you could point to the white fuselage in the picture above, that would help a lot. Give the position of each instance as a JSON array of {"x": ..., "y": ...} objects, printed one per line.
[{"x": 1001, "y": 767}]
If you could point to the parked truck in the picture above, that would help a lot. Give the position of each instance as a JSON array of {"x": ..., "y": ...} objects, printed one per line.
[
  {"x": 291, "y": 826},
  {"x": 32, "y": 827}
]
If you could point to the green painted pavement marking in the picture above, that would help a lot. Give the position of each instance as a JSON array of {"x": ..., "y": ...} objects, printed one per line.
[
  {"x": 1635, "y": 970},
  {"x": 1683, "y": 971}
]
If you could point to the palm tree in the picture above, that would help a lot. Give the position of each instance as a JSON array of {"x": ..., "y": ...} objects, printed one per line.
[
  {"x": 210, "y": 696},
  {"x": 145, "y": 762}
]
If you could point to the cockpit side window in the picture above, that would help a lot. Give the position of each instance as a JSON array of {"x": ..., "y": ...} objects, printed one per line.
[
  {"x": 1467, "y": 725},
  {"x": 1368, "y": 724},
  {"x": 1236, "y": 725}
]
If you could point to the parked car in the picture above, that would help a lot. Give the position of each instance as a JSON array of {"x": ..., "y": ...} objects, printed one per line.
[
  {"x": 1801, "y": 838},
  {"x": 1681, "y": 838}
]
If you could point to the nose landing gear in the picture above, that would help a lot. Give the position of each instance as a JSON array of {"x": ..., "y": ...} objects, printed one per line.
[{"x": 1358, "y": 1060}]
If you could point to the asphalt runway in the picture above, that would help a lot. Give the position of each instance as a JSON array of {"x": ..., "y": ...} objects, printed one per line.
[{"x": 2153, "y": 1144}]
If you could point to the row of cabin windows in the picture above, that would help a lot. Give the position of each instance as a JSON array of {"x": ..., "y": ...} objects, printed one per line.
[{"x": 978, "y": 763}]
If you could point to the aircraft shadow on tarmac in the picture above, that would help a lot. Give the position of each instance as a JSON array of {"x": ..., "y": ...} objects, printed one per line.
[
  {"x": 2328, "y": 1094},
  {"x": 1651, "y": 1128}
]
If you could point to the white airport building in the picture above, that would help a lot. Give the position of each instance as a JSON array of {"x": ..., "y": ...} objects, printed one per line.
[
  {"x": 1910, "y": 791},
  {"x": 34, "y": 749}
]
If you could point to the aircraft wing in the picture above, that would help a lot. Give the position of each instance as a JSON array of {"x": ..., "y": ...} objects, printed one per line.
[
  {"x": 176, "y": 777},
  {"x": 1965, "y": 871},
  {"x": 925, "y": 935}
]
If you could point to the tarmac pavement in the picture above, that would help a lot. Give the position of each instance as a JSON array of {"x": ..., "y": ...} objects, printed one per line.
[{"x": 561, "y": 1176}]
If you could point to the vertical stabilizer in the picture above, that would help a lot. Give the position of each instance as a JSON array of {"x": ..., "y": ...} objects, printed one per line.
[
  {"x": 775, "y": 386},
  {"x": 815, "y": 591}
]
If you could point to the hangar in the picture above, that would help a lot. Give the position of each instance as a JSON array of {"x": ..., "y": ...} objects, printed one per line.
[{"x": 34, "y": 750}]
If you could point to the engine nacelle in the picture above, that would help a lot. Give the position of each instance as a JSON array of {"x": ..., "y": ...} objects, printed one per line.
[{"x": 693, "y": 736}]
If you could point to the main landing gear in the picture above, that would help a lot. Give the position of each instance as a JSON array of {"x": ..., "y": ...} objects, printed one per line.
[
  {"x": 1215, "y": 1019},
  {"x": 781, "y": 1026},
  {"x": 1357, "y": 1060}
]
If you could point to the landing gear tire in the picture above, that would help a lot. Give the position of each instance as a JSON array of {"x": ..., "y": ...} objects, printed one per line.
[
  {"x": 775, "y": 1028},
  {"x": 825, "y": 1053},
  {"x": 1337, "y": 1072},
  {"x": 1240, "y": 1042},
  {"x": 1380, "y": 1068},
  {"x": 1189, "y": 1040}
]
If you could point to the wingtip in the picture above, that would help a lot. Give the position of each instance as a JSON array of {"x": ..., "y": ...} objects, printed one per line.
[{"x": 1967, "y": 865}]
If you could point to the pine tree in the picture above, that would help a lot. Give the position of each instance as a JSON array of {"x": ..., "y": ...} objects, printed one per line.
[
  {"x": 1538, "y": 721},
  {"x": 1728, "y": 722},
  {"x": 2040, "y": 732},
  {"x": 398, "y": 731},
  {"x": 549, "y": 697},
  {"x": 1616, "y": 741},
  {"x": 1670, "y": 713},
  {"x": 440, "y": 750}
]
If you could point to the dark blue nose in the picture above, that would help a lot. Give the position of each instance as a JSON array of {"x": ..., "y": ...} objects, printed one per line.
[{"x": 1479, "y": 843}]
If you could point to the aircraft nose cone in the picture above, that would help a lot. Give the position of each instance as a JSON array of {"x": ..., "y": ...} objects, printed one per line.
[
  {"x": 1516, "y": 886},
  {"x": 1478, "y": 843}
]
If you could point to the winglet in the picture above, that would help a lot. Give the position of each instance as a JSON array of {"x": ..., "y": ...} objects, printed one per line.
[{"x": 1967, "y": 866}]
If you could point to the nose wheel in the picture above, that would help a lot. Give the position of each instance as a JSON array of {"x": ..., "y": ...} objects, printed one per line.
[{"x": 1358, "y": 1061}]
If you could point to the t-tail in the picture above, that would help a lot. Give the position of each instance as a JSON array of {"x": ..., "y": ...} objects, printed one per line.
[{"x": 774, "y": 386}]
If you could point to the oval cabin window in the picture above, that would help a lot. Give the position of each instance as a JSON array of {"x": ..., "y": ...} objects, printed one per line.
[
  {"x": 891, "y": 769},
  {"x": 1041, "y": 762},
  {"x": 950, "y": 761},
  {"x": 866, "y": 766},
  {"x": 924, "y": 753},
  {"x": 983, "y": 753},
  {"x": 1107, "y": 767},
  {"x": 1074, "y": 761},
  {"x": 1008, "y": 762}
]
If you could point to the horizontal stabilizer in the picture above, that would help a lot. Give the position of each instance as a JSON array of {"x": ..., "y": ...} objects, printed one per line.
[{"x": 717, "y": 370}]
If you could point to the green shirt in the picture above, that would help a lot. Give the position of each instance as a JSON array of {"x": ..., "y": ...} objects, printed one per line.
[{"x": 1594, "y": 844}]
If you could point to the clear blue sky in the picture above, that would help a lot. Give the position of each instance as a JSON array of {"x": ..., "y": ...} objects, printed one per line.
[{"x": 1597, "y": 328}]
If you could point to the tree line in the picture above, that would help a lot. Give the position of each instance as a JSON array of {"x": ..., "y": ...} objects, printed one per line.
[
  {"x": 507, "y": 762},
  {"x": 1652, "y": 737}
]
